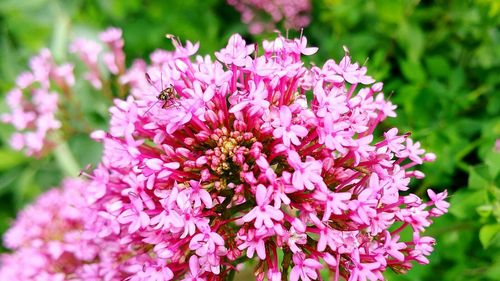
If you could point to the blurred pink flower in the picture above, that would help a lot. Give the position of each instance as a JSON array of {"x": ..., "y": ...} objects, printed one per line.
[
  {"x": 48, "y": 237},
  {"x": 33, "y": 105},
  {"x": 256, "y": 13}
]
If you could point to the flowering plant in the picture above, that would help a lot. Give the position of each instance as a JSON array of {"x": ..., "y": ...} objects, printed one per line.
[{"x": 254, "y": 156}]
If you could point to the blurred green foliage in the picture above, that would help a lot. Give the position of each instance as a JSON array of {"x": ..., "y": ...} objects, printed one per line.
[{"x": 439, "y": 60}]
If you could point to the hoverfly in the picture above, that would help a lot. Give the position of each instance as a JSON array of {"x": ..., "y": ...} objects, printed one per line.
[{"x": 167, "y": 95}]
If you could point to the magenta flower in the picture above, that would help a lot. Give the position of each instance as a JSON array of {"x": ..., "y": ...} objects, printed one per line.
[
  {"x": 285, "y": 130},
  {"x": 304, "y": 269},
  {"x": 307, "y": 174},
  {"x": 263, "y": 214},
  {"x": 89, "y": 52}
]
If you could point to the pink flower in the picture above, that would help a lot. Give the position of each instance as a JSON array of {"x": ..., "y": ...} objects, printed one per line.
[
  {"x": 114, "y": 60},
  {"x": 263, "y": 214},
  {"x": 194, "y": 270},
  {"x": 206, "y": 243},
  {"x": 304, "y": 269},
  {"x": 89, "y": 51},
  {"x": 438, "y": 200},
  {"x": 252, "y": 244},
  {"x": 307, "y": 174},
  {"x": 136, "y": 216},
  {"x": 236, "y": 51},
  {"x": 335, "y": 202},
  {"x": 285, "y": 130}
]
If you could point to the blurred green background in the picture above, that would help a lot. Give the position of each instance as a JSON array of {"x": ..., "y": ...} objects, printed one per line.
[{"x": 439, "y": 61}]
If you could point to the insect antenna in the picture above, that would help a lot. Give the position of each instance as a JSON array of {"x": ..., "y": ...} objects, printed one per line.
[
  {"x": 161, "y": 79},
  {"x": 150, "y": 107},
  {"x": 148, "y": 78}
]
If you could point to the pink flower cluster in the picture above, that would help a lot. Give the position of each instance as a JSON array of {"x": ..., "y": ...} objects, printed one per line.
[
  {"x": 40, "y": 103},
  {"x": 89, "y": 52},
  {"x": 257, "y": 157},
  {"x": 262, "y": 15},
  {"x": 34, "y": 104},
  {"x": 48, "y": 237}
]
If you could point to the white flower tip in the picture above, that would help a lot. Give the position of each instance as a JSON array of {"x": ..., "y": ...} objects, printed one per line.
[{"x": 98, "y": 135}]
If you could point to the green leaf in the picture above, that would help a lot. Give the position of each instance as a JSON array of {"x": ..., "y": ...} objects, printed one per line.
[
  {"x": 484, "y": 211},
  {"x": 7, "y": 179},
  {"x": 26, "y": 189},
  {"x": 85, "y": 150},
  {"x": 492, "y": 160},
  {"x": 390, "y": 10},
  {"x": 464, "y": 203},
  {"x": 10, "y": 159},
  {"x": 479, "y": 177},
  {"x": 413, "y": 71},
  {"x": 437, "y": 66},
  {"x": 488, "y": 233},
  {"x": 60, "y": 37},
  {"x": 411, "y": 39}
]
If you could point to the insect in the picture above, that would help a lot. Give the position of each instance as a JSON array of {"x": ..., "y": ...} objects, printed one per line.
[{"x": 167, "y": 95}]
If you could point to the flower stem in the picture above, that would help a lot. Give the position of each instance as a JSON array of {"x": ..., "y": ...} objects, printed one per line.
[{"x": 66, "y": 160}]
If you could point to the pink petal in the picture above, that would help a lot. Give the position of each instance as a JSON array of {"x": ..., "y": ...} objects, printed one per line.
[
  {"x": 285, "y": 116},
  {"x": 261, "y": 194},
  {"x": 261, "y": 250},
  {"x": 299, "y": 130},
  {"x": 206, "y": 198},
  {"x": 194, "y": 266},
  {"x": 154, "y": 164}
]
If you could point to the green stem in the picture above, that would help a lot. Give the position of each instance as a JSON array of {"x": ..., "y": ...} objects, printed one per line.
[
  {"x": 60, "y": 34},
  {"x": 66, "y": 160}
]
